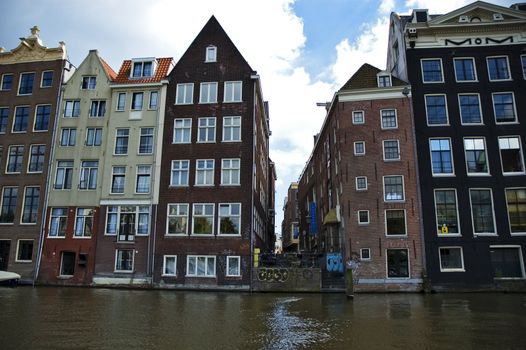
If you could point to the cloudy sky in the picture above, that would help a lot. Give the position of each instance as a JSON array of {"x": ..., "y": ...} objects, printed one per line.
[{"x": 304, "y": 50}]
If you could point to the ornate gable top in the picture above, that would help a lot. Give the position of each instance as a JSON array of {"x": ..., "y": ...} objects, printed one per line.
[
  {"x": 31, "y": 49},
  {"x": 477, "y": 12}
]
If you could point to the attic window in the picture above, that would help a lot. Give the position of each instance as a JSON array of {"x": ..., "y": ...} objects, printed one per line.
[
  {"x": 211, "y": 54},
  {"x": 384, "y": 80},
  {"x": 143, "y": 68}
]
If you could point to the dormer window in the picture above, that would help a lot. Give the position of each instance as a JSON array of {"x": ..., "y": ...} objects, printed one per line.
[
  {"x": 142, "y": 69},
  {"x": 211, "y": 54},
  {"x": 384, "y": 80}
]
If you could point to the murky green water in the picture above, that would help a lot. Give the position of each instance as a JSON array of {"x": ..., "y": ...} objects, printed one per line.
[{"x": 76, "y": 318}]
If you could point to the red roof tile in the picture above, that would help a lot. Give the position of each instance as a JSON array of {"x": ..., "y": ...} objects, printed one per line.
[
  {"x": 162, "y": 70},
  {"x": 111, "y": 73}
]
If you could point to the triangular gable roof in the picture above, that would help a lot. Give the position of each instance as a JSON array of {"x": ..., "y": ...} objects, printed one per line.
[
  {"x": 161, "y": 71},
  {"x": 481, "y": 9},
  {"x": 366, "y": 78},
  {"x": 109, "y": 71}
]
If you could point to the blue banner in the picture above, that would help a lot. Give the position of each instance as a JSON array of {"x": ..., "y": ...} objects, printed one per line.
[{"x": 313, "y": 219}]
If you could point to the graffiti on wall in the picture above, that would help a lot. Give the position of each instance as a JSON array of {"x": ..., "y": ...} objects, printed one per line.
[
  {"x": 334, "y": 262},
  {"x": 280, "y": 274}
]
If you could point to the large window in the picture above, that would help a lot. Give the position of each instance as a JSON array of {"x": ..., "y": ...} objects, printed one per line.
[
  {"x": 24, "y": 250},
  {"x": 436, "y": 110},
  {"x": 504, "y": 107},
  {"x": 507, "y": 261},
  {"x": 233, "y": 91},
  {"x": 516, "y": 201},
  {"x": 121, "y": 141},
  {"x": 154, "y": 100},
  {"x": 97, "y": 109},
  {"x": 64, "y": 175},
  {"x": 14, "y": 160},
  {"x": 182, "y": 130},
  {"x": 143, "y": 181},
  {"x": 391, "y": 150},
  {"x": 498, "y": 68},
  {"x": 84, "y": 222},
  {"x": 30, "y": 206},
  {"x": 4, "y": 116},
  {"x": 36, "y": 158},
  {"x": 8, "y": 205},
  {"x": 395, "y": 222},
  {"x": 72, "y": 109},
  {"x": 446, "y": 211},
  {"x": 47, "y": 79},
  {"x": 142, "y": 69},
  {"x": 231, "y": 129},
  {"x": 121, "y": 101},
  {"x": 208, "y": 93},
  {"x": 469, "y": 105},
  {"x": 137, "y": 99},
  {"x": 58, "y": 222},
  {"x": 177, "y": 219},
  {"x": 7, "y": 82},
  {"x": 441, "y": 157},
  {"x": 397, "y": 263},
  {"x": 203, "y": 219},
  {"x": 233, "y": 266},
  {"x": 170, "y": 265},
  {"x": 93, "y": 136},
  {"x": 118, "y": 179},
  {"x": 126, "y": 221},
  {"x": 394, "y": 188},
  {"x": 451, "y": 259},
  {"x": 201, "y": 266},
  {"x": 42, "y": 116},
  {"x": 229, "y": 219},
  {"x": 180, "y": 169},
  {"x": 389, "y": 119},
  {"x": 124, "y": 260},
  {"x": 432, "y": 70},
  {"x": 206, "y": 131},
  {"x": 68, "y": 136},
  {"x": 146, "y": 141},
  {"x": 230, "y": 171},
  {"x": 511, "y": 155},
  {"x": 26, "y": 83},
  {"x": 89, "y": 83},
  {"x": 21, "y": 119},
  {"x": 482, "y": 211},
  {"x": 185, "y": 94},
  {"x": 204, "y": 172},
  {"x": 88, "y": 175},
  {"x": 476, "y": 159},
  {"x": 465, "y": 69}
]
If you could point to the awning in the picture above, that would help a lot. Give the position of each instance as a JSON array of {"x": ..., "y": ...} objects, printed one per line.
[{"x": 331, "y": 218}]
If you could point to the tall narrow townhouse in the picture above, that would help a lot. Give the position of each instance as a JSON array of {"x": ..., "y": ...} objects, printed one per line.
[
  {"x": 130, "y": 176},
  {"x": 30, "y": 80},
  {"x": 214, "y": 202},
  {"x": 75, "y": 184},
  {"x": 467, "y": 69}
]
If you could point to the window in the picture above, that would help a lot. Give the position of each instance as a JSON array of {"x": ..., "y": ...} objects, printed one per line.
[
  {"x": 482, "y": 211},
  {"x": 476, "y": 162},
  {"x": 523, "y": 61},
  {"x": 47, "y": 79},
  {"x": 30, "y": 206},
  {"x": 26, "y": 83},
  {"x": 384, "y": 80},
  {"x": 201, "y": 266},
  {"x": 511, "y": 155},
  {"x": 441, "y": 157},
  {"x": 146, "y": 141},
  {"x": 358, "y": 117},
  {"x": 432, "y": 70},
  {"x": 36, "y": 158},
  {"x": 389, "y": 119},
  {"x": 359, "y": 148},
  {"x": 124, "y": 260},
  {"x": 395, "y": 222},
  {"x": 391, "y": 150},
  {"x": 42, "y": 117},
  {"x": 121, "y": 101},
  {"x": 64, "y": 175},
  {"x": 361, "y": 183},
  {"x": 127, "y": 221},
  {"x": 397, "y": 263},
  {"x": 68, "y": 136},
  {"x": 21, "y": 119},
  {"x": 516, "y": 203},
  {"x": 72, "y": 109},
  {"x": 451, "y": 259},
  {"x": 142, "y": 184},
  {"x": 507, "y": 261},
  {"x": 229, "y": 219},
  {"x": 4, "y": 116},
  {"x": 446, "y": 211},
  {"x": 233, "y": 91},
  {"x": 58, "y": 222},
  {"x": 436, "y": 110},
  {"x": 8, "y": 205},
  {"x": 170, "y": 265},
  {"x": 231, "y": 129},
  {"x": 363, "y": 217},
  {"x": 84, "y": 222},
  {"x": 154, "y": 100},
  {"x": 118, "y": 178},
  {"x": 142, "y": 69},
  {"x": 88, "y": 175},
  {"x": 177, "y": 219},
  {"x": 469, "y": 105},
  {"x": 206, "y": 130},
  {"x": 182, "y": 130},
  {"x": 393, "y": 188},
  {"x": 121, "y": 141},
  {"x": 137, "y": 98},
  {"x": 230, "y": 171},
  {"x": 15, "y": 157},
  {"x": 67, "y": 264},
  {"x": 208, "y": 93},
  {"x": 203, "y": 219},
  {"x": 180, "y": 169},
  {"x": 465, "y": 69},
  {"x": 24, "y": 250},
  {"x": 185, "y": 94},
  {"x": 98, "y": 109},
  {"x": 504, "y": 107},
  {"x": 93, "y": 136},
  {"x": 211, "y": 54},
  {"x": 233, "y": 266},
  {"x": 498, "y": 68},
  {"x": 204, "y": 172},
  {"x": 89, "y": 83},
  {"x": 7, "y": 82}
]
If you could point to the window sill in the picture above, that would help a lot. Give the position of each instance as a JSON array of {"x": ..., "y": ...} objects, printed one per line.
[
  {"x": 80, "y": 237},
  {"x": 205, "y": 235},
  {"x": 231, "y": 141},
  {"x": 176, "y": 235},
  {"x": 449, "y": 235},
  {"x": 178, "y": 186},
  {"x": 169, "y": 276},
  {"x": 452, "y": 270},
  {"x": 56, "y": 237},
  {"x": 475, "y": 235},
  {"x": 64, "y": 277}
]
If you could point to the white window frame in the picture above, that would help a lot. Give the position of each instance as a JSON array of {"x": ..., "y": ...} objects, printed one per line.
[
  {"x": 405, "y": 223},
  {"x": 117, "y": 136},
  {"x": 380, "y": 81},
  {"x": 382, "y": 119},
  {"x": 356, "y": 183},
  {"x": 88, "y": 169},
  {"x": 58, "y": 218},
  {"x": 494, "y": 233},
  {"x": 403, "y": 189},
  {"x": 37, "y": 107},
  {"x": 184, "y": 129},
  {"x": 37, "y": 209},
  {"x": 91, "y": 82},
  {"x": 202, "y": 130},
  {"x": 387, "y": 265},
  {"x": 114, "y": 175},
  {"x": 73, "y": 103},
  {"x": 475, "y": 138},
  {"x": 230, "y": 170},
  {"x": 439, "y": 233},
  {"x": 8, "y": 161},
  {"x": 177, "y": 215},
  {"x": 84, "y": 235},
  {"x": 150, "y": 106},
  {"x": 446, "y": 108},
  {"x": 520, "y": 233},
  {"x": 452, "y": 158},
  {"x": 230, "y": 88},
  {"x": 194, "y": 216},
  {"x": 18, "y": 250},
  {"x": 355, "y": 151},
  {"x": 146, "y": 136},
  {"x": 231, "y": 127},
  {"x": 2, "y": 82},
  {"x": 460, "y": 108},
  {"x": 474, "y": 69},
  {"x": 456, "y": 269},
  {"x": 2, "y": 203},
  {"x": 132, "y": 264},
  {"x": 134, "y": 106},
  {"x": 180, "y": 169},
  {"x": 117, "y": 105},
  {"x": 205, "y": 171},
  {"x": 30, "y": 156},
  {"x": 354, "y": 117},
  {"x": 441, "y": 70},
  {"x": 507, "y": 66},
  {"x": 219, "y": 216},
  {"x": 100, "y": 109},
  {"x": 358, "y": 217},
  {"x": 521, "y": 259},
  {"x": 510, "y": 173},
  {"x": 20, "y": 81},
  {"x": 228, "y": 263},
  {"x": 138, "y": 210},
  {"x": 398, "y": 147},
  {"x": 361, "y": 254},
  {"x": 205, "y": 89},
  {"x": 165, "y": 258},
  {"x": 196, "y": 257},
  {"x": 93, "y": 142},
  {"x": 140, "y": 172},
  {"x": 211, "y": 54},
  {"x": 187, "y": 91},
  {"x": 42, "y": 79},
  {"x": 13, "y": 131},
  {"x": 65, "y": 170},
  {"x": 142, "y": 62},
  {"x": 514, "y": 107}
]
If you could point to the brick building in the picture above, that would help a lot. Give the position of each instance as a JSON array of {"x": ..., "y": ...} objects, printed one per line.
[{"x": 290, "y": 224}]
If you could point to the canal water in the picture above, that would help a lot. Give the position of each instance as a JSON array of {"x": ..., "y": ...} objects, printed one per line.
[{"x": 83, "y": 318}]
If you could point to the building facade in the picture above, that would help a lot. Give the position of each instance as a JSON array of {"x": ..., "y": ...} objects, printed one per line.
[{"x": 290, "y": 225}]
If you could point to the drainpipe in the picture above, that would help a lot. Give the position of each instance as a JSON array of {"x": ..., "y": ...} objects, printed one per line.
[{"x": 255, "y": 78}]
